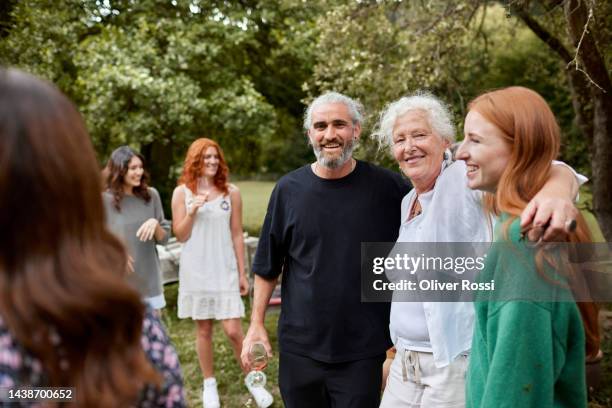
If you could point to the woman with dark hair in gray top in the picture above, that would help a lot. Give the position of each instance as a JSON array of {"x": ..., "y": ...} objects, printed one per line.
[{"x": 135, "y": 214}]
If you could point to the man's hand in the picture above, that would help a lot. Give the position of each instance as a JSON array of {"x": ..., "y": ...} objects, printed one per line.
[
  {"x": 548, "y": 219},
  {"x": 256, "y": 333}
]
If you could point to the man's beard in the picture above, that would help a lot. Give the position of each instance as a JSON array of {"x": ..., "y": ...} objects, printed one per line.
[{"x": 338, "y": 161}]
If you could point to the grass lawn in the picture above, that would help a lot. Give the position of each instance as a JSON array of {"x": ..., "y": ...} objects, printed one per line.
[
  {"x": 232, "y": 391},
  {"x": 230, "y": 380},
  {"x": 255, "y": 196}
]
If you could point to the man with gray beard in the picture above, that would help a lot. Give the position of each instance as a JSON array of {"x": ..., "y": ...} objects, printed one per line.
[{"x": 331, "y": 345}]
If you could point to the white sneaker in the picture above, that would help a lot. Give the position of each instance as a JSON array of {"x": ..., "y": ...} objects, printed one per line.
[
  {"x": 210, "y": 396},
  {"x": 263, "y": 399}
]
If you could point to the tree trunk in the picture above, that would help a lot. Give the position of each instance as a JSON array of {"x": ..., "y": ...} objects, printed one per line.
[
  {"x": 582, "y": 104},
  {"x": 600, "y": 89},
  {"x": 158, "y": 160},
  {"x": 602, "y": 161}
]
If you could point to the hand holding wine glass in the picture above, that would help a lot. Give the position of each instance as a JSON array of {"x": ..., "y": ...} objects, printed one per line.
[
  {"x": 258, "y": 360},
  {"x": 256, "y": 334},
  {"x": 256, "y": 379}
]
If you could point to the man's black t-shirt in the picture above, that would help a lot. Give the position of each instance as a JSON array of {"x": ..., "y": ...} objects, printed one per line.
[{"x": 312, "y": 233}]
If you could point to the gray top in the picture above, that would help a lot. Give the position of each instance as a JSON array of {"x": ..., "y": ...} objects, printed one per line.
[{"x": 134, "y": 212}]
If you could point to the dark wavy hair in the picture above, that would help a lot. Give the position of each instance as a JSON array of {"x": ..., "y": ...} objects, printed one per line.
[
  {"x": 194, "y": 165},
  {"x": 61, "y": 271},
  {"x": 116, "y": 169}
]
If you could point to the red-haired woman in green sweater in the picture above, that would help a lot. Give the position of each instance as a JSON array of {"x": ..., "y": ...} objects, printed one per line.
[{"x": 528, "y": 353}]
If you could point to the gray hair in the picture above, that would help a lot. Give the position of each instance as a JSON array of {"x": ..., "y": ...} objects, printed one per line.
[
  {"x": 438, "y": 116},
  {"x": 355, "y": 108}
]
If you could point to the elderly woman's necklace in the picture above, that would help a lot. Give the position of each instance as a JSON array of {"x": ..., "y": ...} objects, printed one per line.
[{"x": 416, "y": 209}]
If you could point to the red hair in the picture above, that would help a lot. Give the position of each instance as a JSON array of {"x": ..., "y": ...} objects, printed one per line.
[
  {"x": 530, "y": 129},
  {"x": 194, "y": 164}
]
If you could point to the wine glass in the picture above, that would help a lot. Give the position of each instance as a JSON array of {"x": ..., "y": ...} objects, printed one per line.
[
  {"x": 258, "y": 359},
  {"x": 256, "y": 379}
]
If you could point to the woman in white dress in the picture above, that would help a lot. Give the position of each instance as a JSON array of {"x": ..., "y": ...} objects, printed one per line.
[{"x": 207, "y": 218}]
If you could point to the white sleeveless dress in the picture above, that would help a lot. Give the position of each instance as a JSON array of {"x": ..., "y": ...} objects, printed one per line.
[{"x": 208, "y": 272}]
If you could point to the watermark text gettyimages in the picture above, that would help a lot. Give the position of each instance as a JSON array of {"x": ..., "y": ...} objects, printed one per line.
[{"x": 459, "y": 272}]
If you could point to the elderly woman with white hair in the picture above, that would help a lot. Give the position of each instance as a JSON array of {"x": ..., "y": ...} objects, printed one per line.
[{"x": 433, "y": 339}]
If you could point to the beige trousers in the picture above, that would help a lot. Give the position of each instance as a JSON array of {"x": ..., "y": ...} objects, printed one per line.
[{"x": 415, "y": 382}]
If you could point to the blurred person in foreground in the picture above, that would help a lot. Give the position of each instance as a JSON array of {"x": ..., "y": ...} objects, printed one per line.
[{"x": 67, "y": 316}]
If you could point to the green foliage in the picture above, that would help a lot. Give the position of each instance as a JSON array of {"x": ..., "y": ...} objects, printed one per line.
[
  {"x": 157, "y": 75},
  {"x": 380, "y": 51},
  {"x": 516, "y": 57}
]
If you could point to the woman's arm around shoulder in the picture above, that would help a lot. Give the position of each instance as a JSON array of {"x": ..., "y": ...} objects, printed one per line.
[{"x": 553, "y": 206}]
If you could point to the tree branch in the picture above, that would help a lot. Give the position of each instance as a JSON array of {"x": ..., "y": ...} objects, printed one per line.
[
  {"x": 543, "y": 34},
  {"x": 551, "y": 6},
  {"x": 578, "y": 18}
]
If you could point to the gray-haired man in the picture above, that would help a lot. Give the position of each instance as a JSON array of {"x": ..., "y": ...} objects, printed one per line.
[{"x": 331, "y": 344}]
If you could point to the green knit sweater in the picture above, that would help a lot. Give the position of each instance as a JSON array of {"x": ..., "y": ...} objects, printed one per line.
[{"x": 524, "y": 353}]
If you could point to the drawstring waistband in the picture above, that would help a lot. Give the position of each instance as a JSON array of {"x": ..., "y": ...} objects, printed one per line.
[{"x": 410, "y": 359}]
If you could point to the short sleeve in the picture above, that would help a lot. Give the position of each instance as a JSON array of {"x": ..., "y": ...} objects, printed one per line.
[
  {"x": 270, "y": 255},
  {"x": 581, "y": 179}
]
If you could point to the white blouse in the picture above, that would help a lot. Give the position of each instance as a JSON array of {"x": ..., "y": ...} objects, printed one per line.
[{"x": 451, "y": 212}]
